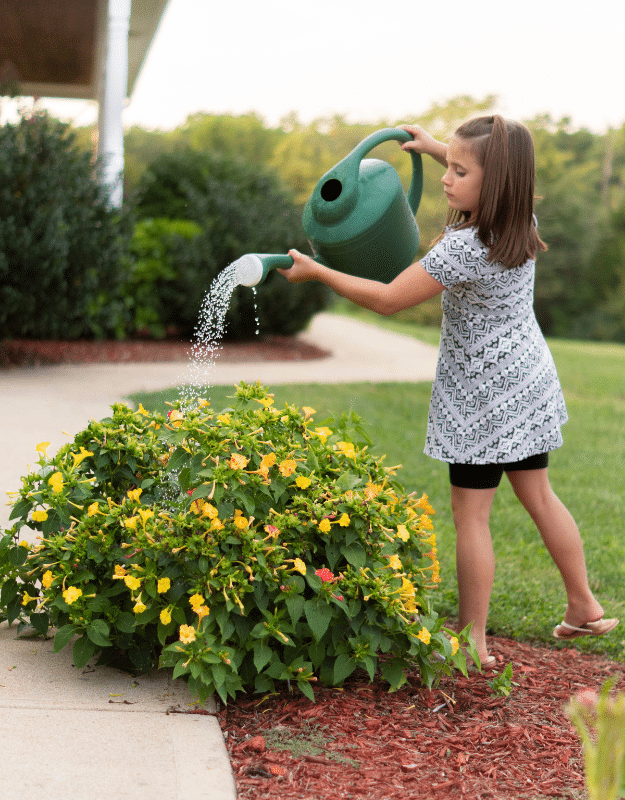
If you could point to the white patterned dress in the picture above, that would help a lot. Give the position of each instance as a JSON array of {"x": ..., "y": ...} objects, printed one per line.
[{"x": 496, "y": 397}]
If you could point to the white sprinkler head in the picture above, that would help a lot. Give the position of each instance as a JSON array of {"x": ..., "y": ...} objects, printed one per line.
[{"x": 248, "y": 270}]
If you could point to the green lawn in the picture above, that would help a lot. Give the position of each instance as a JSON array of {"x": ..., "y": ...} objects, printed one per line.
[{"x": 587, "y": 473}]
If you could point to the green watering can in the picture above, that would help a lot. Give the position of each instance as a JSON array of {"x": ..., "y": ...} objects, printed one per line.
[{"x": 358, "y": 219}]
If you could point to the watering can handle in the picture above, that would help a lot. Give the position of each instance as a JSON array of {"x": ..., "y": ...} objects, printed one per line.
[{"x": 385, "y": 135}]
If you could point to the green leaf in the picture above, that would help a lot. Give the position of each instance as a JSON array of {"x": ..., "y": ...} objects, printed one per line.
[
  {"x": 355, "y": 554},
  {"x": 20, "y": 509},
  {"x": 125, "y": 622},
  {"x": 262, "y": 655},
  {"x": 348, "y": 480},
  {"x": 98, "y": 632},
  {"x": 177, "y": 460},
  {"x": 63, "y": 636},
  {"x": 18, "y": 556},
  {"x": 393, "y": 672},
  {"x": 305, "y": 687},
  {"x": 9, "y": 591},
  {"x": 40, "y": 623},
  {"x": 343, "y": 668},
  {"x": 316, "y": 653},
  {"x": 83, "y": 650},
  {"x": 318, "y": 616},
  {"x": 295, "y": 605}
]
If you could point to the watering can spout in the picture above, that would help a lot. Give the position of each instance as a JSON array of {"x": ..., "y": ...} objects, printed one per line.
[{"x": 252, "y": 268}]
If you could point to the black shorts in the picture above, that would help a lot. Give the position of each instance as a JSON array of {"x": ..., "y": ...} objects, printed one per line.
[{"x": 488, "y": 476}]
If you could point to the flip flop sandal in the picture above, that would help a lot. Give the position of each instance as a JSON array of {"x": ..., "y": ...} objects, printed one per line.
[{"x": 597, "y": 628}]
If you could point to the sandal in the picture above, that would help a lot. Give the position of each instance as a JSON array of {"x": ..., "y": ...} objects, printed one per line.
[{"x": 597, "y": 628}]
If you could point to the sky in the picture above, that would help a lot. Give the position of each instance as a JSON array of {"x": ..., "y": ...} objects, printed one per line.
[{"x": 371, "y": 61}]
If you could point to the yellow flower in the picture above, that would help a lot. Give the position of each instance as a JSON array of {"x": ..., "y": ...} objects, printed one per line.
[
  {"x": 237, "y": 461},
  {"x": 402, "y": 533},
  {"x": 394, "y": 561},
  {"x": 287, "y": 467},
  {"x": 80, "y": 457},
  {"x": 323, "y": 433},
  {"x": 424, "y": 635},
  {"x": 302, "y": 482},
  {"x": 241, "y": 521},
  {"x": 425, "y": 522},
  {"x": 71, "y": 594},
  {"x": 267, "y": 461},
  {"x": 27, "y": 599},
  {"x": 131, "y": 582},
  {"x": 163, "y": 585},
  {"x": 42, "y": 448},
  {"x": 202, "y": 611},
  {"x": 455, "y": 644},
  {"x": 93, "y": 509},
  {"x": 165, "y": 616},
  {"x": 424, "y": 505},
  {"x": 139, "y": 607},
  {"x": 266, "y": 401},
  {"x": 217, "y": 524},
  {"x": 145, "y": 514},
  {"x": 135, "y": 494},
  {"x": 47, "y": 578},
  {"x": 56, "y": 482},
  {"x": 120, "y": 572},
  {"x": 325, "y": 526},
  {"x": 308, "y": 411},
  {"x": 141, "y": 410},
  {"x": 344, "y": 521},
  {"x": 175, "y": 417},
  {"x": 40, "y": 516},
  {"x": 203, "y": 402},
  {"x": 299, "y": 565},
  {"x": 187, "y": 634},
  {"x": 372, "y": 490},
  {"x": 209, "y": 511},
  {"x": 131, "y": 523},
  {"x": 224, "y": 419},
  {"x": 347, "y": 448},
  {"x": 196, "y": 600}
]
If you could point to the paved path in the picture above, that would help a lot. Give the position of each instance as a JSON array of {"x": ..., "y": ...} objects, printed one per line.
[{"x": 69, "y": 733}]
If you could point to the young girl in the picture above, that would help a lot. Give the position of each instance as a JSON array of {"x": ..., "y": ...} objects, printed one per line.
[{"x": 496, "y": 404}]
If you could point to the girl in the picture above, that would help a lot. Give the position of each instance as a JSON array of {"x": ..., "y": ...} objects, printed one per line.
[{"x": 496, "y": 404}]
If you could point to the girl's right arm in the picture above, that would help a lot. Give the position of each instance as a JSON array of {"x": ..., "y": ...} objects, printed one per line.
[
  {"x": 422, "y": 142},
  {"x": 412, "y": 286}
]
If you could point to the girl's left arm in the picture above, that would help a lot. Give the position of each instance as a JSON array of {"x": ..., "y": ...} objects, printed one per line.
[{"x": 411, "y": 287}]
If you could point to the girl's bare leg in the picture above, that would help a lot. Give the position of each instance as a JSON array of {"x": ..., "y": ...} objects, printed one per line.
[
  {"x": 562, "y": 539},
  {"x": 475, "y": 561}
]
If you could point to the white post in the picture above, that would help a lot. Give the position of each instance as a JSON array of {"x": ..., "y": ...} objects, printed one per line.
[{"x": 113, "y": 89}]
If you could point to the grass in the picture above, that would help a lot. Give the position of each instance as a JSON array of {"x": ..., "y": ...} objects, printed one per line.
[{"x": 587, "y": 474}]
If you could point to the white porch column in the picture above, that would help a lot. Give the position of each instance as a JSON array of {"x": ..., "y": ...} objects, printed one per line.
[{"x": 113, "y": 87}]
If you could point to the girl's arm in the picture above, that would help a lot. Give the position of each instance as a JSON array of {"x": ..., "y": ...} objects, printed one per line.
[
  {"x": 411, "y": 287},
  {"x": 422, "y": 142}
]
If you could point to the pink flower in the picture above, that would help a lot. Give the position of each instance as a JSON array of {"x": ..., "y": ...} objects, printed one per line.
[{"x": 325, "y": 574}]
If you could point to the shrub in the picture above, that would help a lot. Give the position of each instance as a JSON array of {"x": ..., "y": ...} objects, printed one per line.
[
  {"x": 61, "y": 245},
  {"x": 240, "y": 548},
  {"x": 241, "y": 209}
]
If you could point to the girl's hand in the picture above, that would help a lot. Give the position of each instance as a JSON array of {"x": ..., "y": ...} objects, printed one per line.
[
  {"x": 303, "y": 269},
  {"x": 422, "y": 142}
]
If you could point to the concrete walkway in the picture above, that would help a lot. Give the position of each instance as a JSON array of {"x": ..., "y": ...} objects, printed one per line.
[{"x": 98, "y": 733}]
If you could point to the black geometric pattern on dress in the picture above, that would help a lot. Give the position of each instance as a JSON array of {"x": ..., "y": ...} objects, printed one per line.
[{"x": 496, "y": 396}]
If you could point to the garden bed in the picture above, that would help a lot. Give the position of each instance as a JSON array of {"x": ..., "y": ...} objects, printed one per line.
[
  {"x": 459, "y": 740},
  {"x": 31, "y": 352}
]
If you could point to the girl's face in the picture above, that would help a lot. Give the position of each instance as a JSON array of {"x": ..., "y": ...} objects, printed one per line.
[{"x": 463, "y": 179}]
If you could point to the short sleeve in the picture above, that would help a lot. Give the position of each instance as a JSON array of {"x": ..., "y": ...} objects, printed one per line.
[{"x": 455, "y": 259}]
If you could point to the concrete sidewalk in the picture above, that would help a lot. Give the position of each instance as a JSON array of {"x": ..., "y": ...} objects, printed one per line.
[{"x": 98, "y": 733}]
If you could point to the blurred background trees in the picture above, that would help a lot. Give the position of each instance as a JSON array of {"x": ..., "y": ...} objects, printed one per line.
[{"x": 219, "y": 186}]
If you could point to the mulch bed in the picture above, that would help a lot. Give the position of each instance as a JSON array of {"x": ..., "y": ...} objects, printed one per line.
[
  {"x": 30, "y": 352},
  {"x": 458, "y": 740}
]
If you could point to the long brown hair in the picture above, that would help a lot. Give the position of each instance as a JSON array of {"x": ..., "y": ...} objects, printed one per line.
[{"x": 505, "y": 217}]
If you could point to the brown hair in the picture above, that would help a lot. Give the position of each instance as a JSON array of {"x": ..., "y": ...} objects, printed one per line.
[{"x": 505, "y": 217}]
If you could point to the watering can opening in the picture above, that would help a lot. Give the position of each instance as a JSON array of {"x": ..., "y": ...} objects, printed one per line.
[{"x": 331, "y": 190}]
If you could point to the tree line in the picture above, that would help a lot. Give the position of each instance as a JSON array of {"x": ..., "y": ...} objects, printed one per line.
[{"x": 580, "y": 186}]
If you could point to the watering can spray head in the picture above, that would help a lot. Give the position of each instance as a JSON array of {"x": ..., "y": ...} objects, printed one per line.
[{"x": 252, "y": 268}]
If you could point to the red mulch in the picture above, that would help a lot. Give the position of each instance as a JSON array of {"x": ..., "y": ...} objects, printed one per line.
[
  {"x": 457, "y": 740},
  {"x": 30, "y": 352}
]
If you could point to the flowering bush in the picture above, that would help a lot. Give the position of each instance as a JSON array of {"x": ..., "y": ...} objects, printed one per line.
[{"x": 240, "y": 548}]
